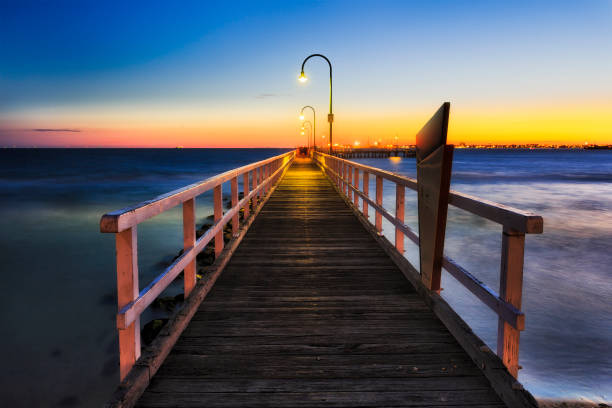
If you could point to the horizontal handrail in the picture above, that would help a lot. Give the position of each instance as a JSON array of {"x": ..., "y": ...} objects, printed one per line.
[
  {"x": 345, "y": 174},
  {"x": 519, "y": 220},
  {"x": 258, "y": 180},
  {"x": 127, "y": 217},
  {"x": 128, "y": 314},
  {"x": 488, "y": 296}
]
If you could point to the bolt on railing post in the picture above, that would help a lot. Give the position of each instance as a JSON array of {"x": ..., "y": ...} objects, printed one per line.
[
  {"x": 245, "y": 187},
  {"x": 218, "y": 214},
  {"x": 366, "y": 191},
  {"x": 189, "y": 238},
  {"x": 127, "y": 291},
  {"x": 400, "y": 196},
  {"x": 356, "y": 183},
  {"x": 510, "y": 290},
  {"x": 235, "y": 220},
  {"x": 379, "y": 202}
]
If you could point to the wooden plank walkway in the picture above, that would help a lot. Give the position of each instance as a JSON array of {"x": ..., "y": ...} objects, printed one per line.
[{"x": 311, "y": 312}]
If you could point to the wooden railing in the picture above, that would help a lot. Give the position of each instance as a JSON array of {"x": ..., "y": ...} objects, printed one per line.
[
  {"x": 516, "y": 223},
  {"x": 258, "y": 178}
]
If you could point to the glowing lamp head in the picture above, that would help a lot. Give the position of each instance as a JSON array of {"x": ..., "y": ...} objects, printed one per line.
[
  {"x": 302, "y": 133},
  {"x": 301, "y": 117},
  {"x": 302, "y": 77}
]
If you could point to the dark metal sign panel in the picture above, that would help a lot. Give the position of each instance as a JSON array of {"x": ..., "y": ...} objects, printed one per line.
[{"x": 434, "y": 162}]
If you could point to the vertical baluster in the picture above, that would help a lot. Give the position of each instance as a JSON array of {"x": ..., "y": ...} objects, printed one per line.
[
  {"x": 235, "y": 223},
  {"x": 255, "y": 185},
  {"x": 400, "y": 196},
  {"x": 379, "y": 201},
  {"x": 127, "y": 290},
  {"x": 346, "y": 178},
  {"x": 366, "y": 191},
  {"x": 189, "y": 238},
  {"x": 356, "y": 182},
  {"x": 218, "y": 214},
  {"x": 245, "y": 187},
  {"x": 350, "y": 183},
  {"x": 510, "y": 290},
  {"x": 258, "y": 173}
]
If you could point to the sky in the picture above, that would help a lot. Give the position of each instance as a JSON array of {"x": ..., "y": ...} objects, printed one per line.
[{"x": 224, "y": 74}]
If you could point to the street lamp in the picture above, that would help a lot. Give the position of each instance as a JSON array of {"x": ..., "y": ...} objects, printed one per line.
[
  {"x": 314, "y": 125},
  {"x": 310, "y": 130},
  {"x": 303, "y": 78}
]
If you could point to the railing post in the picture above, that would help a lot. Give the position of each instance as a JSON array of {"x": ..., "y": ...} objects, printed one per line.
[
  {"x": 366, "y": 191},
  {"x": 218, "y": 211},
  {"x": 350, "y": 183},
  {"x": 400, "y": 196},
  {"x": 266, "y": 172},
  {"x": 127, "y": 291},
  {"x": 356, "y": 183},
  {"x": 189, "y": 238},
  {"x": 379, "y": 201},
  {"x": 235, "y": 221},
  {"x": 245, "y": 187},
  {"x": 510, "y": 290},
  {"x": 336, "y": 168},
  {"x": 256, "y": 184}
]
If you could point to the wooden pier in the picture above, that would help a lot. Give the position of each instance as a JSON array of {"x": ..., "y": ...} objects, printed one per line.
[{"x": 309, "y": 304}]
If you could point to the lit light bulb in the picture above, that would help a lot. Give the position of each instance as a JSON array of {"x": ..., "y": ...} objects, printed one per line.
[
  {"x": 302, "y": 133},
  {"x": 302, "y": 77},
  {"x": 301, "y": 117}
]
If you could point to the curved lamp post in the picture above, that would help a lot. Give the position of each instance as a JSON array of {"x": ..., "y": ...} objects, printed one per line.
[
  {"x": 310, "y": 129},
  {"x": 314, "y": 124},
  {"x": 303, "y": 78}
]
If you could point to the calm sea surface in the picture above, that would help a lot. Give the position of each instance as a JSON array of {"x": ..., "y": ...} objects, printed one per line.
[{"x": 57, "y": 306}]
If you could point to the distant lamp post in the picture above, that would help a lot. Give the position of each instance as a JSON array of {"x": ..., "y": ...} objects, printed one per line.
[
  {"x": 310, "y": 129},
  {"x": 314, "y": 124},
  {"x": 303, "y": 78}
]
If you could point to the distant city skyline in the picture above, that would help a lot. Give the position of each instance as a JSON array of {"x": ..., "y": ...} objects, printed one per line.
[{"x": 204, "y": 74}]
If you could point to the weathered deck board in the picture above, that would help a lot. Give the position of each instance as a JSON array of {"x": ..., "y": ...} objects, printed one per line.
[{"x": 311, "y": 312}]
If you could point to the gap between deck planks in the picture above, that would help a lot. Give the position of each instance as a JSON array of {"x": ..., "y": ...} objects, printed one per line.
[{"x": 311, "y": 312}]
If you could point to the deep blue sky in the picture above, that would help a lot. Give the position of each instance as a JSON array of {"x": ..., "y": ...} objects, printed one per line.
[{"x": 84, "y": 64}]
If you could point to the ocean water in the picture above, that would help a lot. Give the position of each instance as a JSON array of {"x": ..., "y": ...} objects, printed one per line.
[
  {"x": 566, "y": 348},
  {"x": 57, "y": 306}
]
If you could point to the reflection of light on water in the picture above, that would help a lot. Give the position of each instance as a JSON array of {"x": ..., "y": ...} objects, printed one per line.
[{"x": 395, "y": 159}]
